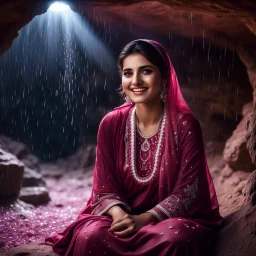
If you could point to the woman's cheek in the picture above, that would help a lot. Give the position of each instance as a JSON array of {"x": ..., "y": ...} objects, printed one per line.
[{"x": 125, "y": 84}]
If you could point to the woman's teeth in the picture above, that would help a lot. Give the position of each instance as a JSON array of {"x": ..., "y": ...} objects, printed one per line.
[{"x": 139, "y": 90}]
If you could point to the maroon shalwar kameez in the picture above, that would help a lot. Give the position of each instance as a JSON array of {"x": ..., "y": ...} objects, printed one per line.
[{"x": 180, "y": 193}]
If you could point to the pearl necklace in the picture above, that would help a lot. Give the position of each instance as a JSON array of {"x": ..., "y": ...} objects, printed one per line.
[
  {"x": 133, "y": 150},
  {"x": 145, "y": 146}
]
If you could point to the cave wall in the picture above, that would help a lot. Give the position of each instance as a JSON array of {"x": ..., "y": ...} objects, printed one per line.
[{"x": 222, "y": 30}]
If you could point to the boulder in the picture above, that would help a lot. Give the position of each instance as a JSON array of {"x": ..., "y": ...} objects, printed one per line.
[
  {"x": 235, "y": 153},
  {"x": 34, "y": 195},
  {"x": 238, "y": 234},
  {"x": 20, "y": 150},
  {"x": 249, "y": 190},
  {"x": 251, "y": 136},
  {"x": 11, "y": 175},
  {"x": 32, "y": 178}
]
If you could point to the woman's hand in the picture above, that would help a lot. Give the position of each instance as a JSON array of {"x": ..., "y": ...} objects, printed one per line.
[
  {"x": 130, "y": 224},
  {"x": 117, "y": 214}
]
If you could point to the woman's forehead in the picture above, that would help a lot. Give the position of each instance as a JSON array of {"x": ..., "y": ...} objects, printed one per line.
[{"x": 136, "y": 60}]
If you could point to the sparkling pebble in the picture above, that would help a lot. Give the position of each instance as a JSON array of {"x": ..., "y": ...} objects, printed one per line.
[
  {"x": 161, "y": 234},
  {"x": 177, "y": 232},
  {"x": 171, "y": 227}
]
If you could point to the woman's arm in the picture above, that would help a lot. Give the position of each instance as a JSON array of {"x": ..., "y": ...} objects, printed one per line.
[
  {"x": 190, "y": 196},
  {"x": 116, "y": 212},
  {"x": 106, "y": 191}
]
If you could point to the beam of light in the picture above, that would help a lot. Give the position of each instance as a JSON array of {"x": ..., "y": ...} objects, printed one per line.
[
  {"x": 59, "y": 7},
  {"x": 91, "y": 44}
]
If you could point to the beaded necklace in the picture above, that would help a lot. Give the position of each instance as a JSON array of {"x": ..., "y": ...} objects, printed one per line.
[{"x": 133, "y": 146}]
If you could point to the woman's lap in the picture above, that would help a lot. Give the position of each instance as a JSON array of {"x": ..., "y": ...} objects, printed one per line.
[{"x": 172, "y": 237}]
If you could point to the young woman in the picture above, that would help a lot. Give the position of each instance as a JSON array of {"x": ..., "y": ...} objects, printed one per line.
[{"x": 152, "y": 192}]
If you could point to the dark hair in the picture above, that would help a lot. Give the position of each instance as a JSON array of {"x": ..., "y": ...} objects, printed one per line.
[{"x": 148, "y": 51}]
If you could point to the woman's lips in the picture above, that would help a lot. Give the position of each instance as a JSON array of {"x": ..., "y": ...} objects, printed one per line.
[{"x": 138, "y": 91}]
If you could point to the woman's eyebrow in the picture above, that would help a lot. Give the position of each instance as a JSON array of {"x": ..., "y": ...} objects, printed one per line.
[{"x": 145, "y": 66}]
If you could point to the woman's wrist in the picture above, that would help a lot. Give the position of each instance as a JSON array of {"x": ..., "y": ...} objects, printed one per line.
[
  {"x": 115, "y": 210},
  {"x": 148, "y": 217}
]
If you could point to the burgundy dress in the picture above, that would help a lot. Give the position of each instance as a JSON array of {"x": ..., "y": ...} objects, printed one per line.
[{"x": 168, "y": 178}]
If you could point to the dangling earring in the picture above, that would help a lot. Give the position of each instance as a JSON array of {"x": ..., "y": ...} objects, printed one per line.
[
  {"x": 128, "y": 100},
  {"x": 163, "y": 94}
]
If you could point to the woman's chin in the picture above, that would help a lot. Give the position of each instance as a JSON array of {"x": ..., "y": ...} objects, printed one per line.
[{"x": 139, "y": 101}]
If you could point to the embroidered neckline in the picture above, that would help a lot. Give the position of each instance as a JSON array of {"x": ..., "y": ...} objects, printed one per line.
[{"x": 133, "y": 148}]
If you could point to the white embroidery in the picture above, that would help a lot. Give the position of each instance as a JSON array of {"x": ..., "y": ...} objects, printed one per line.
[
  {"x": 177, "y": 206},
  {"x": 156, "y": 214},
  {"x": 163, "y": 210}
]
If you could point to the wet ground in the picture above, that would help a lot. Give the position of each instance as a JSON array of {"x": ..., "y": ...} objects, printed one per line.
[{"x": 21, "y": 224}]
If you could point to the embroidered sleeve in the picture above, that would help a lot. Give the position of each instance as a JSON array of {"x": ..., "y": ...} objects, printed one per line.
[
  {"x": 190, "y": 194},
  {"x": 176, "y": 205},
  {"x": 103, "y": 202},
  {"x": 106, "y": 189}
]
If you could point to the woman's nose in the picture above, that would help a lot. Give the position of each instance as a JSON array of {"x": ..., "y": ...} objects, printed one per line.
[{"x": 136, "y": 80}]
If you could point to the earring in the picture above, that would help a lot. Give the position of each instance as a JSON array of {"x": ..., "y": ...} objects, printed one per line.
[
  {"x": 128, "y": 100},
  {"x": 163, "y": 94}
]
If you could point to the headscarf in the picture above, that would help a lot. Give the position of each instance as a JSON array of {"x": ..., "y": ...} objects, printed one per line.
[{"x": 176, "y": 107}]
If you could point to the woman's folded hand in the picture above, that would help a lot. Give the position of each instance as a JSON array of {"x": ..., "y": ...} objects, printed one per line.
[{"x": 130, "y": 224}]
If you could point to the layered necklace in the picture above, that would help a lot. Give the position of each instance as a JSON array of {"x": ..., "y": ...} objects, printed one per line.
[{"x": 145, "y": 146}]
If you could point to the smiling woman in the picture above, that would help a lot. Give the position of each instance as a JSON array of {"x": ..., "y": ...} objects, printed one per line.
[
  {"x": 141, "y": 78},
  {"x": 152, "y": 190}
]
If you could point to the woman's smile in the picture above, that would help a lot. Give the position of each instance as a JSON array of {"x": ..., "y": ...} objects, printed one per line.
[
  {"x": 139, "y": 91},
  {"x": 141, "y": 80}
]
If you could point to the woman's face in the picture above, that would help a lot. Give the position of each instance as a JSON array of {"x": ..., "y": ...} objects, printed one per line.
[{"x": 141, "y": 80}]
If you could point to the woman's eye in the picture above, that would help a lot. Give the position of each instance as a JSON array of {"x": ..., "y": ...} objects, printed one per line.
[
  {"x": 127, "y": 73},
  {"x": 146, "y": 71}
]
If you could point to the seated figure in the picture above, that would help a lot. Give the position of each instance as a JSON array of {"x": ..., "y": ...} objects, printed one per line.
[{"x": 152, "y": 191}]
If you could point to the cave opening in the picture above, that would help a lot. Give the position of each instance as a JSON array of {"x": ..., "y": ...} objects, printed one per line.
[{"x": 59, "y": 7}]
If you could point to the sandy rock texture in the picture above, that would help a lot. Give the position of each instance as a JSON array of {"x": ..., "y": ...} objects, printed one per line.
[
  {"x": 37, "y": 248},
  {"x": 238, "y": 235},
  {"x": 236, "y": 154},
  {"x": 232, "y": 167}
]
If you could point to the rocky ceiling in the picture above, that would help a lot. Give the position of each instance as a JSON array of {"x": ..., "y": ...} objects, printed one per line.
[{"x": 226, "y": 23}]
